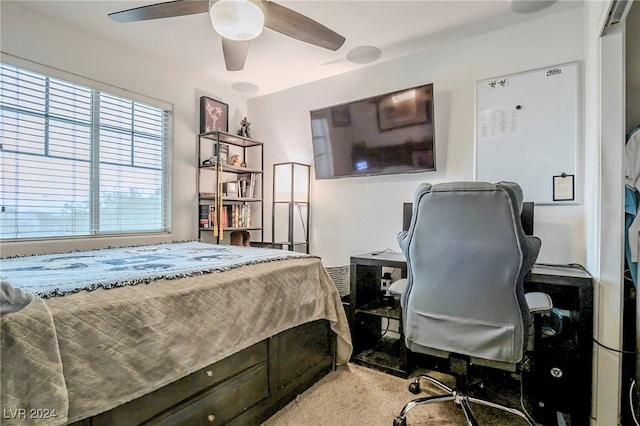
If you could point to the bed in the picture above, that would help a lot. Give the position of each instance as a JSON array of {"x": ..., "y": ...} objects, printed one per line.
[{"x": 177, "y": 333}]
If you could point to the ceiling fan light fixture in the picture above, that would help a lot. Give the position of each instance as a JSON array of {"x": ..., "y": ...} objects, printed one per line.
[{"x": 239, "y": 20}]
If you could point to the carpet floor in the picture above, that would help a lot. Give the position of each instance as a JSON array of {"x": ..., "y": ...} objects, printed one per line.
[{"x": 355, "y": 395}]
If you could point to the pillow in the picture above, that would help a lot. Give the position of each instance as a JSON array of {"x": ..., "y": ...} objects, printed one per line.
[{"x": 12, "y": 299}]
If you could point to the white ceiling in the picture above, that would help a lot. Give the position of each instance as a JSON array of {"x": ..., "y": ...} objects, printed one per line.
[{"x": 276, "y": 62}]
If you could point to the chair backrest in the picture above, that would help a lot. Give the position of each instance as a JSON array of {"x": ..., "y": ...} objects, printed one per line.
[{"x": 466, "y": 252}]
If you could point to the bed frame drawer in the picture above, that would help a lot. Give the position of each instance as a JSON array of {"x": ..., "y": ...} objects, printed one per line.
[
  {"x": 243, "y": 389},
  {"x": 224, "y": 402},
  {"x": 150, "y": 405},
  {"x": 227, "y": 367}
]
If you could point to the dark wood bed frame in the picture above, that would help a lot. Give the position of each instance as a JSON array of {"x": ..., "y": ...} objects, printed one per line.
[{"x": 245, "y": 388}]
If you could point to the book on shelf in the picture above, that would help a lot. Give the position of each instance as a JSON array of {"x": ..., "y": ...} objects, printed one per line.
[
  {"x": 212, "y": 217},
  {"x": 205, "y": 220},
  {"x": 247, "y": 185},
  {"x": 207, "y": 216},
  {"x": 233, "y": 216},
  {"x": 207, "y": 195},
  {"x": 236, "y": 216}
]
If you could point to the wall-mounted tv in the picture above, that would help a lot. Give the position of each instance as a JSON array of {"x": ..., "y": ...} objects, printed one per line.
[{"x": 384, "y": 134}]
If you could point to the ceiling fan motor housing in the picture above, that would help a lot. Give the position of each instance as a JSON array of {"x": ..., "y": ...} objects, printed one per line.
[{"x": 239, "y": 20}]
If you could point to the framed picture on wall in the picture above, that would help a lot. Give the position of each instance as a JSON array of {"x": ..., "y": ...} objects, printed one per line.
[
  {"x": 407, "y": 108},
  {"x": 340, "y": 116},
  {"x": 214, "y": 115}
]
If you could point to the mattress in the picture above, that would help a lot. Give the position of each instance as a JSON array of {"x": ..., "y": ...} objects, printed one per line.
[{"x": 87, "y": 352}]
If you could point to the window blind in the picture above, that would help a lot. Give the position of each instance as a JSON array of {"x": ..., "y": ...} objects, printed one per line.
[
  {"x": 322, "y": 147},
  {"x": 78, "y": 161}
]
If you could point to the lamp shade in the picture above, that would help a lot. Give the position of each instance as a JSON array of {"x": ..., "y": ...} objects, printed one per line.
[
  {"x": 238, "y": 20},
  {"x": 291, "y": 182},
  {"x": 290, "y": 209}
]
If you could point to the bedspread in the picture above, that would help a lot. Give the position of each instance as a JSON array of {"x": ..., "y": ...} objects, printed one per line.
[
  {"x": 119, "y": 344},
  {"x": 32, "y": 385}
]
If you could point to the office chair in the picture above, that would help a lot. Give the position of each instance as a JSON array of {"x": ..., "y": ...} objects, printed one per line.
[{"x": 467, "y": 257}]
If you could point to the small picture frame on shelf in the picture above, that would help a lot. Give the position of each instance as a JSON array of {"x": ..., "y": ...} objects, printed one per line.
[
  {"x": 230, "y": 189},
  {"x": 214, "y": 115},
  {"x": 224, "y": 153}
]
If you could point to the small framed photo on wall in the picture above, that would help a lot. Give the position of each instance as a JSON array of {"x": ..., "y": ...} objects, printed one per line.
[
  {"x": 214, "y": 115},
  {"x": 564, "y": 188}
]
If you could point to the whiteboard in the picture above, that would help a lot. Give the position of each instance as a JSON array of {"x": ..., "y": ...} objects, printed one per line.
[{"x": 527, "y": 132}]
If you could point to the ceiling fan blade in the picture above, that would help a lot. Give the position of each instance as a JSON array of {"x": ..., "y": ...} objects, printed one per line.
[
  {"x": 300, "y": 27},
  {"x": 161, "y": 10},
  {"x": 235, "y": 53}
]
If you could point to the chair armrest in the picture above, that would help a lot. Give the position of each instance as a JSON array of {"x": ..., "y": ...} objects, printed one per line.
[
  {"x": 535, "y": 244},
  {"x": 533, "y": 249},
  {"x": 398, "y": 287},
  {"x": 539, "y": 303}
]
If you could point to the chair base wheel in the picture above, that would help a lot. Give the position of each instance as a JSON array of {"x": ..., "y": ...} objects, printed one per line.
[
  {"x": 414, "y": 387},
  {"x": 400, "y": 421}
]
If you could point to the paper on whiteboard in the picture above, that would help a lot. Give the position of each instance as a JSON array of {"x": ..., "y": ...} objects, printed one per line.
[{"x": 498, "y": 123}]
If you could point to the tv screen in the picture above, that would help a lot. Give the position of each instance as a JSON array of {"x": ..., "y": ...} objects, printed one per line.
[{"x": 383, "y": 134}]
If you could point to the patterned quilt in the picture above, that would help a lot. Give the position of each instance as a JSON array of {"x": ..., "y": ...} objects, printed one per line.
[
  {"x": 58, "y": 274},
  {"x": 90, "y": 351}
]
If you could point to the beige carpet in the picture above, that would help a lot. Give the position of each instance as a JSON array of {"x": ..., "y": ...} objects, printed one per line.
[{"x": 355, "y": 395}]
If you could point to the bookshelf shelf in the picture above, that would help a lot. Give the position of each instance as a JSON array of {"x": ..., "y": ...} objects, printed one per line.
[{"x": 230, "y": 187}]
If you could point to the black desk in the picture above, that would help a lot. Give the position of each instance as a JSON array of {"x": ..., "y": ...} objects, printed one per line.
[
  {"x": 564, "y": 379},
  {"x": 366, "y": 312}
]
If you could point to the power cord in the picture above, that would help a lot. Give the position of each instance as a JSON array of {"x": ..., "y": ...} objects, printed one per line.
[
  {"x": 387, "y": 250},
  {"x": 614, "y": 350},
  {"x": 387, "y": 328},
  {"x": 633, "y": 412},
  {"x": 524, "y": 409},
  {"x": 631, "y": 405}
]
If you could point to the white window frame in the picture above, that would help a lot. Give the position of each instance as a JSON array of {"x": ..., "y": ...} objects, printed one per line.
[{"x": 159, "y": 139}]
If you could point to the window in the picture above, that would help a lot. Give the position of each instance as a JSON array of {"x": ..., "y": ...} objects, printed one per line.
[
  {"x": 76, "y": 161},
  {"x": 322, "y": 147}
]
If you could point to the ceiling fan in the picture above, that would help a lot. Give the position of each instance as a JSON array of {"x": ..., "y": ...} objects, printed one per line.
[{"x": 238, "y": 22}]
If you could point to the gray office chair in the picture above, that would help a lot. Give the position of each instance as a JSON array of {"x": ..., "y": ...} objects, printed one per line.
[{"x": 467, "y": 257}]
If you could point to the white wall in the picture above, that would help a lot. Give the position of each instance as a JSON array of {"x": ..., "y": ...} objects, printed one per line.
[
  {"x": 357, "y": 215},
  {"x": 39, "y": 39}
]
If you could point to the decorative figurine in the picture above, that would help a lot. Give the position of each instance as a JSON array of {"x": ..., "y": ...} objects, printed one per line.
[
  {"x": 244, "y": 128},
  {"x": 235, "y": 160}
]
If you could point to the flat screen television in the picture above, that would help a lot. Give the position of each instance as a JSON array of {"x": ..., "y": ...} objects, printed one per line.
[{"x": 384, "y": 134}]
